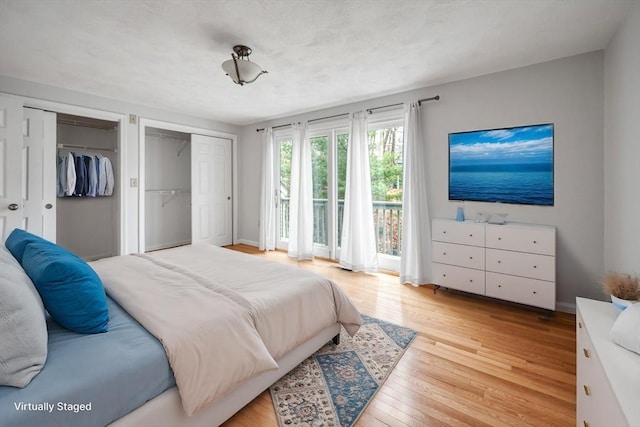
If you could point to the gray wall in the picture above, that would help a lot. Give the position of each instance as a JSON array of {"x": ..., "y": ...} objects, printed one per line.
[
  {"x": 622, "y": 147},
  {"x": 568, "y": 92},
  {"x": 24, "y": 88}
]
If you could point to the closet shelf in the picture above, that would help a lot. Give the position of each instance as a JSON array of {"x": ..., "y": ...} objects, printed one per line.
[
  {"x": 171, "y": 193},
  {"x": 85, "y": 148},
  {"x": 183, "y": 146}
]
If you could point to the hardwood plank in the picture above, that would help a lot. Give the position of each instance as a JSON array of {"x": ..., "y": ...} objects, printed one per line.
[{"x": 475, "y": 361}]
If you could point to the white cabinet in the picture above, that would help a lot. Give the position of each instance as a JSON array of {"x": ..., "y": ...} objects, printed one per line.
[
  {"x": 514, "y": 262},
  {"x": 608, "y": 376}
]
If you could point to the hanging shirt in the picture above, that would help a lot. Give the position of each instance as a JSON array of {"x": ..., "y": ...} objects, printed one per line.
[
  {"x": 61, "y": 175},
  {"x": 92, "y": 174},
  {"x": 81, "y": 174},
  {"x": 87, "y": 162},
  {"x": 71, "y": 175},
  {"x": 106, "y": 181}
]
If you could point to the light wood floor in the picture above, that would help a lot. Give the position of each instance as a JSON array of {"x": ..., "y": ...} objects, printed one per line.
[{"x": 475, "y": 361}]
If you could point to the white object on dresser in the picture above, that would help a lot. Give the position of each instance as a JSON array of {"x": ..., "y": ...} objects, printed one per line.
[
  {"x": 514, "y": 262},
  {"x": 608, "y": 376}
]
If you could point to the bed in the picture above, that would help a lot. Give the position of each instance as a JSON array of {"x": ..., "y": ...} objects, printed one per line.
[{"x": 195, "y": 333}]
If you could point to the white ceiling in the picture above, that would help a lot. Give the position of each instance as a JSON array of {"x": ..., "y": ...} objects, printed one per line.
[{"x": 319, "y": 53}]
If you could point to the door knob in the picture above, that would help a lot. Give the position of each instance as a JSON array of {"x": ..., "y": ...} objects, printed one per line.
[
  {"x": 13, "y": 207},
  {"x": 228, "y": 197},
  {"x": 48, "y": 206}
]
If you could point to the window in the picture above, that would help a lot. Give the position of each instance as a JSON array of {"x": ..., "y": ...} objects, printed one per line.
[
  {"x": 319, "y": 168},
  {"x": 329, "y": 169},
  {"x": 285, "y": 146},
  {"x": 385, "y": 157}
]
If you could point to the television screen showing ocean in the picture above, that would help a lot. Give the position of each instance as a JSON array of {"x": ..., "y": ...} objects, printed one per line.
[
  {"x": 510, "y": 165},
  {"x": 524, "y": 183}
]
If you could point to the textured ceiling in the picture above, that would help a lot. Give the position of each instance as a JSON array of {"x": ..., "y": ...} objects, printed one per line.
[{"x": 319, "y": 53}]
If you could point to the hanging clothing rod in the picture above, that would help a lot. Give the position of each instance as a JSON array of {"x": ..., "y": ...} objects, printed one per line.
[
  {"x": 85, "y": 148},
  {"x": 369, "y": 110},
  {"x": 420, "y": 101}
]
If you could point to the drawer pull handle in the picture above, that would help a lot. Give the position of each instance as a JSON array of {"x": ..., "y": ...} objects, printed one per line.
[
  {"x": 535, "y": 266},
  {"x": 470, "y": 235},
  {"x": 444, "y": 275},
  {"x": 587, "y": 390},
  {"x": 580, "y": 325},
  {"x": 586, "y": 424},
  {"x": 586, "y": 353},
  {"x": 499, "y": 261},
  {"x": 535, "y": 242},
  {"x": 499, "y": 286},
  {"x": 499, "y": 238},
  {"x": 470, "y": 280},
  {"x": 534, "y": 292},
  {"x": 444, "y": 253},
  {"x": 444, "y": 232},
  {"x": 470, "y": 257}
]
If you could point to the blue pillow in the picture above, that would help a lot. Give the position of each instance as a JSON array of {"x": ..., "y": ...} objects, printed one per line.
[
  {"x": 18, "y": 241},
  {"x": 70, "y": 289}
]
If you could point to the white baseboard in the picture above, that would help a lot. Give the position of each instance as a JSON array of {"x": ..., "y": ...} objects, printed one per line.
[{"x": 566, "y": 307}]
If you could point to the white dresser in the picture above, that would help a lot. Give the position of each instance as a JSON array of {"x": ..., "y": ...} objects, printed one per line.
[
  {"x": 608, "y": 376},
  {"x": 514, "y": 262}
]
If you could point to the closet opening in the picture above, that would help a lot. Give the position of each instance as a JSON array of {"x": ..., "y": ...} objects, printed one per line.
[
  {"x": 88, "y": 199},
  {"x": 167, "y": 175}
]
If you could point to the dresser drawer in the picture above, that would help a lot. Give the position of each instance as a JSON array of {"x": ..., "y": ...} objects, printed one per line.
[
  {"x": 535, "y": 266},
  {"x": 460, "y": 278},
  {"x": 595, "y": 400},
  {"x": 461, "y": 255},
  {"x": 537, "y": 240},
  {"x": 534, "y": 292},
  {"x": 465, "y": 233}
]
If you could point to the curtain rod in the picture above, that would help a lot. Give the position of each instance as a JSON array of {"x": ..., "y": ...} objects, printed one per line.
[
  {"x": 308, "y": 121},
  {"x": 433, "y": 98},
  {"x": 274, "y": 127}
]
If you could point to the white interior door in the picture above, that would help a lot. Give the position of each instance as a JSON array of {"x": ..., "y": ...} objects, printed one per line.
[
  {"x": 211, "y": 190},
  {"x": 11, "y": 206},
  {"x": 39, "y": 172}
]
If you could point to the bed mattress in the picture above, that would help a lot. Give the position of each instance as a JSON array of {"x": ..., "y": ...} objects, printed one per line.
[{"x": 90, "y": 380}]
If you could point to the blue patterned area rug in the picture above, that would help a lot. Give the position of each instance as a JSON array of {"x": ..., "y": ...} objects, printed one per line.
[{"x": 335, "y": 385}]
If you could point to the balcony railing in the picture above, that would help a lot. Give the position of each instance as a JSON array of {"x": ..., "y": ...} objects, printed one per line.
[{"x": 387, "y": 221}]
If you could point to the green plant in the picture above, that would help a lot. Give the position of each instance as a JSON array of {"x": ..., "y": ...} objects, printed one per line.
[{"x": 623, "y": 286}]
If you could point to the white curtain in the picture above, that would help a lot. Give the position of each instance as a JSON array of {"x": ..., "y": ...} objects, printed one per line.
[
  {"x": 415, "y": 259},
  {"x": 359, "y": 251},
  {"x": 301, "y": 201},
  {"x": 267, "y": 229}
]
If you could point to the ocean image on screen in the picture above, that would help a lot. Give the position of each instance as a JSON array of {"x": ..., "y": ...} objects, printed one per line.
[{"x": 511, "y": 165}]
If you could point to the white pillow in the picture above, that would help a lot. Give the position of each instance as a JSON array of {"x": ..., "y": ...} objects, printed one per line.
[
  {"x": 626, "y": 329},
  {"x": 23, "y": 328}
]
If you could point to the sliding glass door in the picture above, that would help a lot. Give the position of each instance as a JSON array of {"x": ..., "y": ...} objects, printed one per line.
[{"x": 329, "y": 171}]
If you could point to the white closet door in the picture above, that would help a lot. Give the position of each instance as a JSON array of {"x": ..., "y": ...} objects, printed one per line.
[
  {"x": 211, "y": 187},
  {"x": 28, "y": 175},
  {"x": 39, "y": 171},
  {"x": 11, "y": 176}
]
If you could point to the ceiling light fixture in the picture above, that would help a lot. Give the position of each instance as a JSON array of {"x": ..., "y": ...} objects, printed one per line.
[{"x": 240, "y": 69}]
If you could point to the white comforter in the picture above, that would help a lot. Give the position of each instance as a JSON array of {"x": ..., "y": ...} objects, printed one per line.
[{"x": 222, "y": 316}]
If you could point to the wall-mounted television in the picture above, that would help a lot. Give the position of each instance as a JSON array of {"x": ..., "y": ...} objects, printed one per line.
[{"x": 508, "y": 165}]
